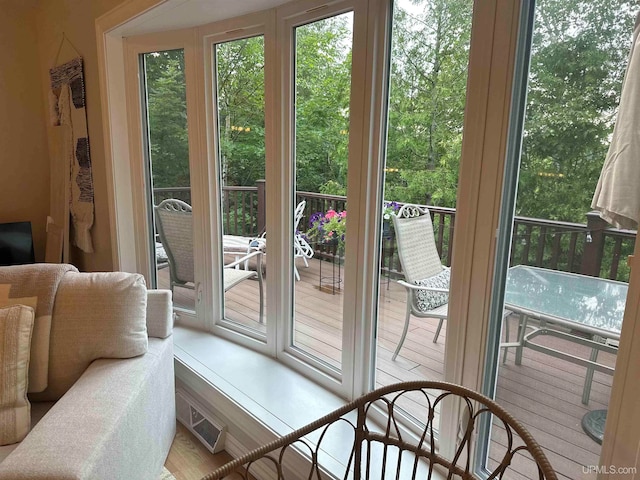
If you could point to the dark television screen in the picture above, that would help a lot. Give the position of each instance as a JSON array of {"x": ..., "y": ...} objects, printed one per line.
[{"x": 16, "y": 243}]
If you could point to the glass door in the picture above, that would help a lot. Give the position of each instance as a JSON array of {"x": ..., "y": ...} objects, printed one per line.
[{"x": 562, "y": 269}]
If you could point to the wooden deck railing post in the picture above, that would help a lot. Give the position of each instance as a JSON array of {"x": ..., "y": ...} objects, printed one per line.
[
  {"x": 262, "y": 205},
  {"x": 593, "y": 250}
]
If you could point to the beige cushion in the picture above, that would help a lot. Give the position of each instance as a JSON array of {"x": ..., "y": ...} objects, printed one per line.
[
  {"x": 159, "y": 313},
  {"x": 16, "y": 327},
  {"x": 96, "y": 315},
  {"x": 34, "y": 285}
]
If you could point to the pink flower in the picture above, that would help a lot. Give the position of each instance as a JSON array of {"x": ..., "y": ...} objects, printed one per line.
[
  {"x": 343, "y": 214},
  {"x": 330, "y": 214}
]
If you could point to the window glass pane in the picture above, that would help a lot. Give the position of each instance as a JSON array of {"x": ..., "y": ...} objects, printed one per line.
[
  {"x": 566, "y": 282},
  {"x": 428, "y": 77},
  {"x": 322, "y": 92},
  {"x": 240, "y": 94},
  {"x": 168, "y": 161}
]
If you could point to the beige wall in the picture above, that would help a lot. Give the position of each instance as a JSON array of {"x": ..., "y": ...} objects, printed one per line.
[
  {"x": 24, "y": 159},
  {"x": 76, "y": 18}
]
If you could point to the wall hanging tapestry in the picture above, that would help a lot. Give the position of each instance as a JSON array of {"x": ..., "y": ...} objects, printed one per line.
[{"x": 68, "y": 109}]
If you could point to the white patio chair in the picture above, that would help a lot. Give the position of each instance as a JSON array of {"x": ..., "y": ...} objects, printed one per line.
[
  {"x": 426, "y": 279},
  {"x": 301, "y": 248},
  {"x": 174, "y": 221}
]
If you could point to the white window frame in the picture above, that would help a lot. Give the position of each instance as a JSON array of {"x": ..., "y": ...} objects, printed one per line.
[
  {"x": 133, "y": 48},
  {"x": 494, "y": 29},
  {"x": 289, "y": 17},
  {"x": 208, "y": 36}
]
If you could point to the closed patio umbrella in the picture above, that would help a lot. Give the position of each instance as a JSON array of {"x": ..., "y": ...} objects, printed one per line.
[{"x": 617, "y": 196}]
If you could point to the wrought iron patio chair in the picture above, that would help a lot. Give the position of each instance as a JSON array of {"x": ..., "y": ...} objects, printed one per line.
[
  {"x": 375, "y": 441},
  {"x": 174, "y": 222},
  {"x": 301, "y": 248}
]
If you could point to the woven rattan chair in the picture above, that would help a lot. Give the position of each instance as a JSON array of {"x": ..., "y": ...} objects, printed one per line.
[
  {"x": 375, "y": 443},
  {"x": 420, "y": 261},
  {"x": 174, "y": 221}
]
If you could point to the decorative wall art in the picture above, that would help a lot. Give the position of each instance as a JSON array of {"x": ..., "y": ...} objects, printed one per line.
[{"x": 68, "y": 109}]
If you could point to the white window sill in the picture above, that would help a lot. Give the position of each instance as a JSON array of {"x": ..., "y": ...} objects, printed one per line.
[{"x": 258, "y": 398}]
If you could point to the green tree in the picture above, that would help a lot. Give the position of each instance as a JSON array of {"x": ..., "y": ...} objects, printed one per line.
[
  {"x": 426, "y": 106},
  {"x": 240, "y": 90},
  {"x": 579, "y": 56},
  {"x": 322, "y": 92},
  {"x": 578, "y": 60},
  {"x": 167, "y": 117}
]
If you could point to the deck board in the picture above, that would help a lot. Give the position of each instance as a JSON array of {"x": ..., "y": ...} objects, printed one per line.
[{"x": 543, "y": 393}]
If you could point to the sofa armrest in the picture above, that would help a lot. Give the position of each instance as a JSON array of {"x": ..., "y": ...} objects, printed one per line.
[
  {"x": 117, "y": 422},
  {"x": 159, "y": 313}
]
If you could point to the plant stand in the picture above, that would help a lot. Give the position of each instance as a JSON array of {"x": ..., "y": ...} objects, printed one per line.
[{"x": 331, "y": 279}]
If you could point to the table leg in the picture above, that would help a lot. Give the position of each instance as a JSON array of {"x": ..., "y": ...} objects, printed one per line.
[
  {"x": 505, "y": 326},
  {"x": 522, "y": 328},
  {"x": 588, "y": 380}
]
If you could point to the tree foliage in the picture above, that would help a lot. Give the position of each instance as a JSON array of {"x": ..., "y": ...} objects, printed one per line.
[
  {"x": 167, "y": 117},
  {"x": 240, "y": 82},
  {"x": 578, "y": 59},
  {"x": 429, "y": 55},
  {"x": 322, "y": 89}
]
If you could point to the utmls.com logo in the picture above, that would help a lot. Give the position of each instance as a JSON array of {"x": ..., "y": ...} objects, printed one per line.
[{"x": 608, "y": 469}]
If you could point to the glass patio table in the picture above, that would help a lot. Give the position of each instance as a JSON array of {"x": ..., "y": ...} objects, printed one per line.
[{"x": 590, "y": 309}]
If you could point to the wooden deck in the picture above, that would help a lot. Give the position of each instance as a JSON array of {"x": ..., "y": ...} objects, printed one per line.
[{"x": 544, "y": 393}]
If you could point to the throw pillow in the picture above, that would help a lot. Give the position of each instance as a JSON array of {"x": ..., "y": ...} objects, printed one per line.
[
  {"x": 427, "y": 300},
  {"x": 16, "y": 328},
  {"x": 34, "y": 285},
  {"x": 96, "y": 315}
]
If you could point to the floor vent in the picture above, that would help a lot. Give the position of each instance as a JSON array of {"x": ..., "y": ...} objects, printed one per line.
[{"x": 204, "y": 425}]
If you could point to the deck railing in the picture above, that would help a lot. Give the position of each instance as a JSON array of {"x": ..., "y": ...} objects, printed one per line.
[{"x": 592, "y": 248}]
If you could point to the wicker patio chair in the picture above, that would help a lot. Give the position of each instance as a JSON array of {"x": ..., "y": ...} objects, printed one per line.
[
  {"x": 381, "y": 446},
  {"x": 421, "y": 265},
  {"x": 426, "y": 279},
  {"x": 174, "y": 222}
]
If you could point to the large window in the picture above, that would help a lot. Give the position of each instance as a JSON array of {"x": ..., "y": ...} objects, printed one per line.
[
  {"x": 168, "y": 174},
  {"x": 310, "y": 125},
  {"x": 428, "y": 79},
  {"x": 322, "y": 90},
  {"x": 564, "y": 284}
]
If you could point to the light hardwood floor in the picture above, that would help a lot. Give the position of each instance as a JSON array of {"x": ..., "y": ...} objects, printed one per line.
[{"x": 189, "y": 460}]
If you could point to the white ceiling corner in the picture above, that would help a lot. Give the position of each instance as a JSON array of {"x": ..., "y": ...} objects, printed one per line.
[{"x": 176, "y": 14}]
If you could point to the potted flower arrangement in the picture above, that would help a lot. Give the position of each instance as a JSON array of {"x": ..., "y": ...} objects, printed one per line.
[{"x": 328, "y": 228}]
